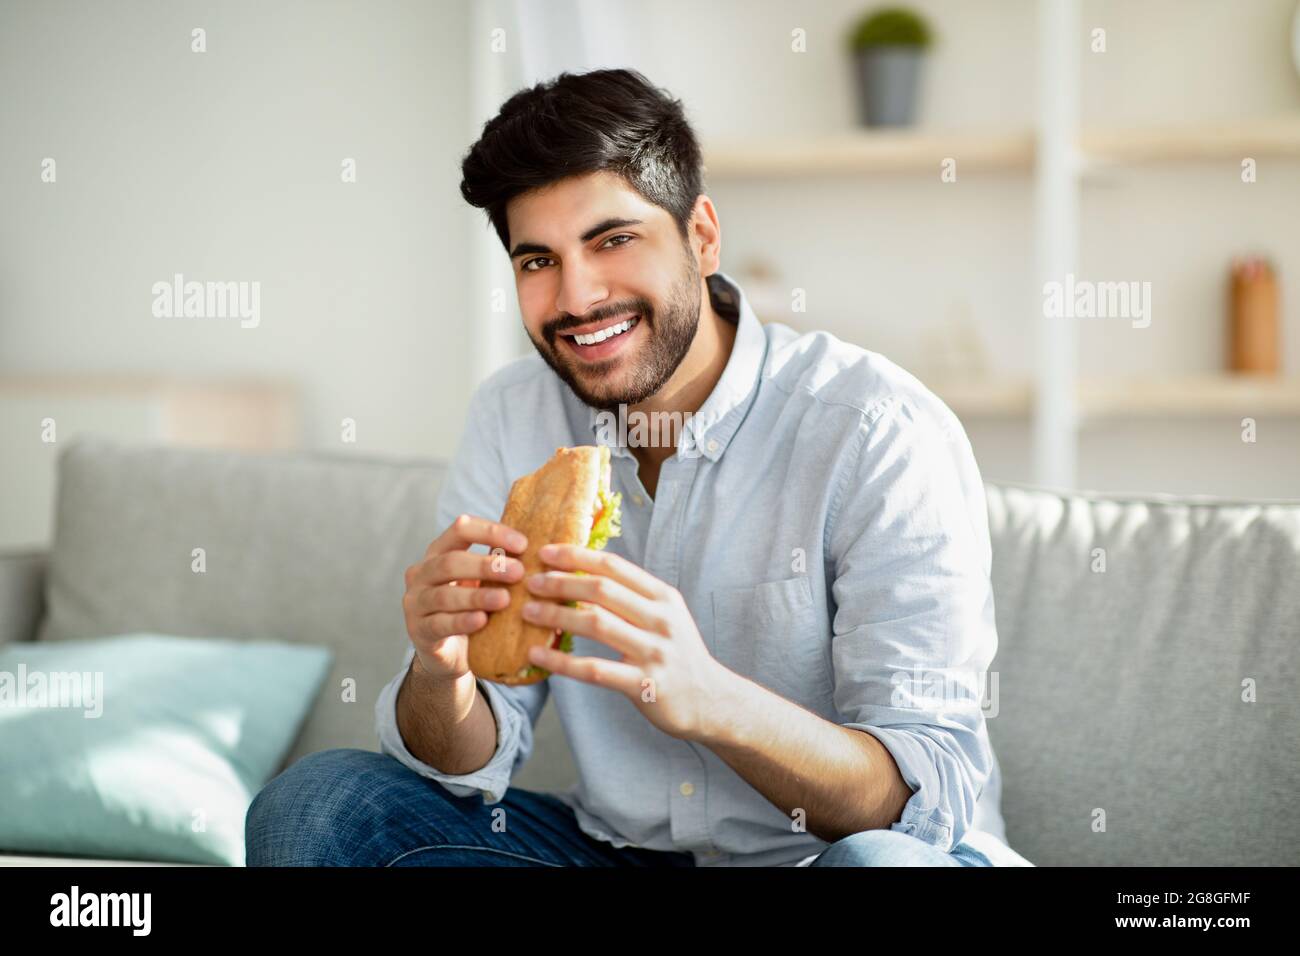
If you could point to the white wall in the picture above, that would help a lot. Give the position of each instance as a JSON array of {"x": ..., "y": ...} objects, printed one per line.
[{"x": 226, "y": 166}]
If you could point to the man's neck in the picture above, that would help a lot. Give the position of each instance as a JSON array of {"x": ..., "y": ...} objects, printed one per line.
[{"x": 689, "y": 387}]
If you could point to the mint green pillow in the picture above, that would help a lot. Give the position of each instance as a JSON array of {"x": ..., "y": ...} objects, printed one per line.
[{"x": 188, "y": 731}]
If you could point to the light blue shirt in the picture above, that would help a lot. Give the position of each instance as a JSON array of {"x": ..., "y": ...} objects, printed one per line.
[{"x": 825, "y": 520}]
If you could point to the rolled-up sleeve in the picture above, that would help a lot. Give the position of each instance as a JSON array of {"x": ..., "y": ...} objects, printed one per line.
[
  {"x": 914, "y": 630},
  {"x": 515, "y": 710}
]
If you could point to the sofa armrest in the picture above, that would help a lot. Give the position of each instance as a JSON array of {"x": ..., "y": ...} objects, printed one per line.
[{"x": 22, "y": 594}]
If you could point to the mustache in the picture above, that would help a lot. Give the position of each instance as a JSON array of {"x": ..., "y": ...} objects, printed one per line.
[{"x": 558, "y": 326}]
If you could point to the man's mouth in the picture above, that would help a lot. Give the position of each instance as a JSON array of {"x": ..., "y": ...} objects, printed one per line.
[{"x": 604, "y": 341}]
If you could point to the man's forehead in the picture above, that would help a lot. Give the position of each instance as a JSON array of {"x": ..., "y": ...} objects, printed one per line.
[{"x": 571, "y": 205}]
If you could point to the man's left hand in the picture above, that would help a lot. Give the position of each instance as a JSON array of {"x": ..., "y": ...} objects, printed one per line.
[{"x": 664, "y": 667}]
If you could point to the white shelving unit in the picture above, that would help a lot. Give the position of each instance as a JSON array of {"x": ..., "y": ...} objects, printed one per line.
[
  {"x": 1059, "y": 156},
  {"x": 1100, "y": 148}
]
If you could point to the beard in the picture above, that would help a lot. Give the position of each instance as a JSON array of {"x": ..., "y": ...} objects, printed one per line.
[{"x": 669, "y": 334}]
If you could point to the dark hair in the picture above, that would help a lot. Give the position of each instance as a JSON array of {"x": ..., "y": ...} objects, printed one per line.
[{"x": 574, "y": 124}]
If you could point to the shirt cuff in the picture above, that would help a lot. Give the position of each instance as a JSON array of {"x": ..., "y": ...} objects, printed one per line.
[
  {"x": 492, "y": 780},
  {"x": 924, "y": 816}
]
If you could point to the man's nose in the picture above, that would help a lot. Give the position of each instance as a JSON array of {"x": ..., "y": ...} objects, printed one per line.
[{"x": 582, "y": 288}]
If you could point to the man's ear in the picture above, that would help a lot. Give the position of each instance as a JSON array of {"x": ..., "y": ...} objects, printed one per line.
[{"x": 705, "y": 235}]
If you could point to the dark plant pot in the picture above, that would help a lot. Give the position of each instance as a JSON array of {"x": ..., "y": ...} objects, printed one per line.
[{"x": 888, "y": 77}]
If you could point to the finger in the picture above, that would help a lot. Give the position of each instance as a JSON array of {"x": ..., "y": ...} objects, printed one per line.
[
  {"x": 595, "y": 622},
  {"x": 601, "y": 590},
  {"x": 622, "y": 677},
  {"x": 471, "y": 529},
  {"x": 454, "y": 597},
  {"x": 569, "y": 557},
  {"x": 438, "y": 626},
  {"x": 465, "y": 566}
]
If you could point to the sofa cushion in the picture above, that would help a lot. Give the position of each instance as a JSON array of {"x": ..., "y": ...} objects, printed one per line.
[
  {"x": 298, "y": 546},
  {"x": 1159, "y": 688},
  {"x": 145, "y": 746}
]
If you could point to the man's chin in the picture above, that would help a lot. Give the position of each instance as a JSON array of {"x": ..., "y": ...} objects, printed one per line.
[
  {"x": 603, "y": 385},
  {"x": 599, "y": 394},
  {"x": 597, "y": 379}
]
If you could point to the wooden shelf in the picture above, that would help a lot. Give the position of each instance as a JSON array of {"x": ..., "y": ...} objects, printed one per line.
[
  {"x": 870, "y": 151},
  {"x": 1229, "y": 140},
  {"x": 921, "y": 150},
  {"x": 1190, "y": 397}
]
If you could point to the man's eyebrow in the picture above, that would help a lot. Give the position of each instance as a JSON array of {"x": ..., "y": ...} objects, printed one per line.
[{"x": 528, "y": 248}]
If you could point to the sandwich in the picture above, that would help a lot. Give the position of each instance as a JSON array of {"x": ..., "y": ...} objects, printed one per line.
[{"x": 566, "y": 501}]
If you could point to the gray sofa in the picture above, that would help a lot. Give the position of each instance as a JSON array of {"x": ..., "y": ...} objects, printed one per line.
[{"x": 1129, "y": 629}]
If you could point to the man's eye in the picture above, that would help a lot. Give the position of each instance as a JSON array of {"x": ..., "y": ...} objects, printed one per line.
[{"x": 526, "y": 266}]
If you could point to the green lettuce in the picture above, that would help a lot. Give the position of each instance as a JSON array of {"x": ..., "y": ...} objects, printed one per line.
[{"x": 610, "y": 518}]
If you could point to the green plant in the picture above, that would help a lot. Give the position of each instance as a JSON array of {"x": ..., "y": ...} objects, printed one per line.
[{"x": 890, "y": 26}]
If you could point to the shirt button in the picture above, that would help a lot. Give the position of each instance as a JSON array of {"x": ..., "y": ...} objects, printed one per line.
[
  {"x": 638, "y": 500},
  {"x": 713, "y": 444},
  {"x": 687, "y": 788}
]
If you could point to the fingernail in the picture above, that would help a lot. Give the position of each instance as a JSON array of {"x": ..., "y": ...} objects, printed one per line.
[
  {"x": 531, "y": 609},
  {"x": 548, "y": 551},
  {"x": 519, "y": 541},
  {"x": 536, "y": 580}
]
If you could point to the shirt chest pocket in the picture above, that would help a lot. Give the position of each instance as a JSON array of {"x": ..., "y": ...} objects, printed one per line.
[{"x": 770, "y": 633}]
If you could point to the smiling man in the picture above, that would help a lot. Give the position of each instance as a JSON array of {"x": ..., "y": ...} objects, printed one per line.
[{"x": 779, "y": 661}]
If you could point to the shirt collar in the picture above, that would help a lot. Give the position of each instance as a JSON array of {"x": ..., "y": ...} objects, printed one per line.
[{"x": 709, "y": 430}]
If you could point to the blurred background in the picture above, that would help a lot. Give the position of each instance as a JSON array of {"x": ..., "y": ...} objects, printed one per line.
[{"x": 912, "y": 183}]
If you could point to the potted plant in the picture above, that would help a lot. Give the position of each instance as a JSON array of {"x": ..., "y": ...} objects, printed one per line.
[{"x": 888, "y": 45}]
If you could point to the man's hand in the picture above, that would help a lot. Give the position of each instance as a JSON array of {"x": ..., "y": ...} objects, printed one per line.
[
  {"x": 444, "y": 602},
  {"x": 665, "y": 669}
]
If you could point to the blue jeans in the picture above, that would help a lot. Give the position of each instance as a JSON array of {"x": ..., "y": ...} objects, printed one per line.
[{"x": 351, "y": 807}]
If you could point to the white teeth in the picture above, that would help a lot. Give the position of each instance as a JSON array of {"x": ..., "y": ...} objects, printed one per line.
[{"x": 604, "y": 334}]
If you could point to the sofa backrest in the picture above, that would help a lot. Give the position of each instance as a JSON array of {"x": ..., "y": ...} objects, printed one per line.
[{"x": 1147, "y": 676}]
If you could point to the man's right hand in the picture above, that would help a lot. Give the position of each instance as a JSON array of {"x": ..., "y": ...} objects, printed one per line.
[{"x": 450, "y": 593}]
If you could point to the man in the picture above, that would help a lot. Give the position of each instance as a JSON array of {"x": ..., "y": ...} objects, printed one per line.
[{"x": 779, "y": 662}]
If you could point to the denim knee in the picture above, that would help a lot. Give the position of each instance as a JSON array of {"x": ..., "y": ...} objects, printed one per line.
[
  {"x": 313, "y": 813},
  {"x": 883, "y": 848}
]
